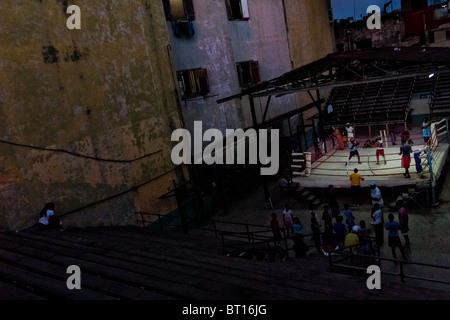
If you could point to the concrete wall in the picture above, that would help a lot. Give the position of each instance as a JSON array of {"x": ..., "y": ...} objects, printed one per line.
[
  {"x": 72, "y": 100},
  {"x": 311, "y": 37},
  {"x": 218, "y": 44},
  {"x": 280, "y": 35}
]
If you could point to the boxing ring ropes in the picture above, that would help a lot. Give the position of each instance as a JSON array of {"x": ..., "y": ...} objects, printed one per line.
[{"x": 427, "y": 162}]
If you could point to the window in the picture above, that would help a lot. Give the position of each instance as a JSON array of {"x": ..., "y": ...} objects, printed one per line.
[
  {"x": 237, "y": 9},
  {"x": 179, "y": 10},
  {"x": 248, "y": 73},
  {"x": 193, "y": 83}
]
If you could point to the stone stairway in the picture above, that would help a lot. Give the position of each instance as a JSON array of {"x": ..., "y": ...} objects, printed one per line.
[{"x": 130, "y": 263}]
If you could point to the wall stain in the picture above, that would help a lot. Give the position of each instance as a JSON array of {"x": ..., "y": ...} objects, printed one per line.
[
  {"x": 50, "y": 54},
  {"x": 65, "y": 4},
  {"x": 75, "y": 54}
]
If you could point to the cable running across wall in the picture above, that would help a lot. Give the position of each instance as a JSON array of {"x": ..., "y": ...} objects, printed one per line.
[{"x": 80, "y": 155}]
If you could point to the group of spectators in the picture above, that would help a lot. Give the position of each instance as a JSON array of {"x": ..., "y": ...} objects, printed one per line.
[{"x": 331, "y": 232}]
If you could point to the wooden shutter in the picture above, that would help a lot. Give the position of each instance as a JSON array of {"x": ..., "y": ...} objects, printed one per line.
[
  {"x": 244, "y": 9},
  {"x": 254, "y": 71},
  {"x": 201, "y": 76}
]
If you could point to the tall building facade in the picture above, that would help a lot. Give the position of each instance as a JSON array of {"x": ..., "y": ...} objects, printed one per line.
[
  {"x": 221, "y": 47},
  {"x": 86, "y": 114}
]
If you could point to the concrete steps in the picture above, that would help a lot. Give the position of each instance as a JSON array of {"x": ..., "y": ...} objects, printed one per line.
[{"x": 129, "y": 263}]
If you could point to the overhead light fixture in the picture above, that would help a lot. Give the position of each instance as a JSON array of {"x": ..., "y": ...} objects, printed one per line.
[{"x": 431, "y": 75}]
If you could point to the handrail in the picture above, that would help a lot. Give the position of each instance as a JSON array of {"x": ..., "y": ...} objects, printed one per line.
[
  {"x": 159, "y": 219},
  {"x": 254, "y": 237},
  {"x": 213, "y": 224},
  {"x": 252, "y": 240},
  {"x": 402, "y": 274}
]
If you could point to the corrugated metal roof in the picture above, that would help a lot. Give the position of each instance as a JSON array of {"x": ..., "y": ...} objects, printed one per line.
[{"x": 364, "y": 65}]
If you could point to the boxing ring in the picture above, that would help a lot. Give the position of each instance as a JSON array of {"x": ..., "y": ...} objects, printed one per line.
[{"x": 331, "y": 168}]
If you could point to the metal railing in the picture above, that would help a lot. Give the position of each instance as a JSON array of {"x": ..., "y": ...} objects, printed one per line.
[
  {"x": 252, "y": 237},
  {"x": 345, "y": 259},
  {"x": 164, "y": 221}
]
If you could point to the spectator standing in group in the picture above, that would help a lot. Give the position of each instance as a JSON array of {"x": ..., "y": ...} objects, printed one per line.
[
  {"x": 377, "y": 222},
  {"x": 327, "y": 219},
  {"x": 375, "y": 195},
  {"x": 300, "y": 248},
  {"x": 426, "y": 130},
  {"x": 364, "y": 231},
  {"x": 349, "y": 217},
  {"x": 394, "y": 240},
  {"x": 288, "y": 220},
  {"x": 333, "y": 202},
  {"x": 328, "y": 242},
  {"x": 403, "y": 219},
  {"x": 315, "y": 228},
  {"x": 276, "y": 230},
  {"x": 364, "y": 238},
  {"x": 339, "y": 231},
  {"x": 355, "y": 187},
  {"x": 405, "y": 152}
]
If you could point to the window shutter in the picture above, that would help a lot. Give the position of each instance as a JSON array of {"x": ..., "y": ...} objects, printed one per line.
[
  {"x": 192, "y": 82},
  {"x": 181, "y": 83},
  {"x": 201, "y": 76},
  {"x": 244, "y": 9},
  {"x": 254, "y": 71}
]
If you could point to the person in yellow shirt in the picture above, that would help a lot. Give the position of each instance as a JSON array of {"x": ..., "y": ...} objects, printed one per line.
[
  {"x": 352, "y": 240},
  {"x": 355, "y": 187}
]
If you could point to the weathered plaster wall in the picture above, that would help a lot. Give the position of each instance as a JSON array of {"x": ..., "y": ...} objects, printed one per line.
[
  {"x": 310, "y": 33},
  {"x": 263, "y": 37},
  {"x": 311, "y": 36},
  {"x": 102, "y": 94},
  {"x": 218, "y": 44}
]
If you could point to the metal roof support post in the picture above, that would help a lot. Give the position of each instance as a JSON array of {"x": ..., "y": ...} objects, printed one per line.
[{"x": 268, "y": 200}]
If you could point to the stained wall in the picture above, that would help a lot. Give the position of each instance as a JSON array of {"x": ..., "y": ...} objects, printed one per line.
[{"x": 85, "y": 115}]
